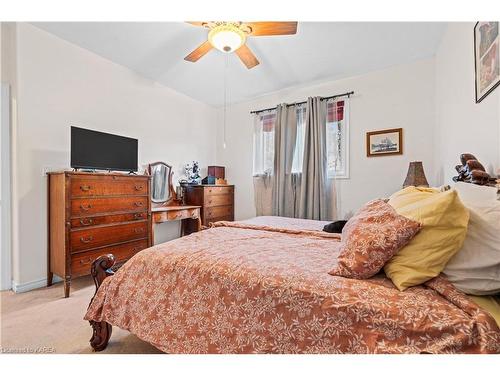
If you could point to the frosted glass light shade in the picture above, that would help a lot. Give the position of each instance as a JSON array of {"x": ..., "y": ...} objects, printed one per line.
[{"x": 226, "y": 38}]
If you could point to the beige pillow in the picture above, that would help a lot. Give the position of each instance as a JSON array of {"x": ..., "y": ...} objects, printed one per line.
[{"x": 475, "y": 269}]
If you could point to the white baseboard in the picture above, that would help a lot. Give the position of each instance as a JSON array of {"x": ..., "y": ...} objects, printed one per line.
[{"x": 30, "y": 285}]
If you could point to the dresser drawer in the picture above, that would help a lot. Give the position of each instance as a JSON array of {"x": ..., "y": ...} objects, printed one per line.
[
  {"x": 108, "y": 219},
  {"x": 90, "y": 206},
  {"x": 81, "y": 262},
  {"x": 83, "y": 239},
  {"x": 218, "y": 200},
  {"x": 112, "y": 185},
  {"x": 220, "y": 211},
  {"x": 216, "y": 190}
]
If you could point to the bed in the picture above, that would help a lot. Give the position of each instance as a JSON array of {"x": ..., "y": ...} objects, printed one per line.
[{"x": 262, "y": 286}]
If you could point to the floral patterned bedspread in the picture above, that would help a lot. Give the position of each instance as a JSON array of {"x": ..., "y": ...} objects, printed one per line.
[{"x": 263, "y": 287}]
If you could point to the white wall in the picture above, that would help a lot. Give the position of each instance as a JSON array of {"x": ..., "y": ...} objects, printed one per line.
[
  {"x": 9, "y": 89},
  {"x": 401, "y": 96},
  {"x": 461, "y": 124},
  {"x": 60, "y": 84}
]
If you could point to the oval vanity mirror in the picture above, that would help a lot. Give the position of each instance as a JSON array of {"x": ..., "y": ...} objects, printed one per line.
[{"x": 161, "y": 182}]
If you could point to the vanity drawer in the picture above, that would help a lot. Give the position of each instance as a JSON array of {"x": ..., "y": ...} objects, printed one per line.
[
  {"x": 219, "y": 200},
  {"x": 83, "y": 239},
  {"x": 89, "y": 206},
  {"x": 220, "y": 211},
  {"x": 112, "y": 185},
  {"x": 108, "y": 219},
  {"x": 81, "y": 262},
  {"x": 184, "y": 214}
]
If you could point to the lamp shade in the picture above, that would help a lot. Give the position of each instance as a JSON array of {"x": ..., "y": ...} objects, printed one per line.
[{"x": 415, "y": 175}]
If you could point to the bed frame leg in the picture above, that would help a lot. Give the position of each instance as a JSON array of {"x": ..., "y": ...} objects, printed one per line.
[{"x": 101, "y": 268}]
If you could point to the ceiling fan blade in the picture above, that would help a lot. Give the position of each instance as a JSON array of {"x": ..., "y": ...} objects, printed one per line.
[
  {"x": 272, "y": 28},
  {"x": 197, "y": 23},
  {"x": 247, "y": 56},
  {"x": 199, "y": 52}
]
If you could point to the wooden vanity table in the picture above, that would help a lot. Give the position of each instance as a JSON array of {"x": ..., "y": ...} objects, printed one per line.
[
  {"x": 162, "y": 214},
  {"x": 165, "y": 206}
]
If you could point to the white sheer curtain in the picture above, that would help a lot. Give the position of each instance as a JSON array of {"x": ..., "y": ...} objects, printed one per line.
[
  {"x": 337, "y": 128},
  {"x": 298, "y": 155},
  {"x": 337, "y": 147},
  {"x": 263, "y": 161}
]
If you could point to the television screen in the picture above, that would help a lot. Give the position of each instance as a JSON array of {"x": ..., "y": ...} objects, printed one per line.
[{"x": 96, "y": 150}]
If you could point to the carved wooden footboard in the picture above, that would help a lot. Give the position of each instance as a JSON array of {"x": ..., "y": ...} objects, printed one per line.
[{"x": 101, "y": 268}]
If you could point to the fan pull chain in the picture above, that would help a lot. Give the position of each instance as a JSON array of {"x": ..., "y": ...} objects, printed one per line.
[{"x": 226, "y": 57}]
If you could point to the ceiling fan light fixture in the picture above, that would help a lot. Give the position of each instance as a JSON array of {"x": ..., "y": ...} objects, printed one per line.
[{"x": 227, "y": 37}]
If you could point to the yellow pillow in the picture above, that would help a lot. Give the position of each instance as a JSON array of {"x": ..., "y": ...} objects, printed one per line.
[{"x": 444, "y": 220}]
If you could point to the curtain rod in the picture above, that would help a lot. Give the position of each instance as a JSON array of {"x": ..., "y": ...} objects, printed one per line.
[{"x": 348, "y": 94}]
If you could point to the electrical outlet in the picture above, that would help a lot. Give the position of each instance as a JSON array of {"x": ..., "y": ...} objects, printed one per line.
[{"x": 45, "y": 170}]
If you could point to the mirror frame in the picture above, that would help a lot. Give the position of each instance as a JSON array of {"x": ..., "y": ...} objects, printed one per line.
[{"x": 173, "y": 194}]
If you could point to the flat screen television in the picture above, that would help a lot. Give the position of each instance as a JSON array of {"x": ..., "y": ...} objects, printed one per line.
[{"x": 91, "y": 149}]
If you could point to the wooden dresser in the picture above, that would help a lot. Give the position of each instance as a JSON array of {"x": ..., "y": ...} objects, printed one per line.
[
  {"x": 216, "y": 201},
  {"x": 91, "y": 214}
]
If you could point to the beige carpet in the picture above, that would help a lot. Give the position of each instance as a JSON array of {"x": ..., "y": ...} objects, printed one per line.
[{"x": 42, "y": 318}]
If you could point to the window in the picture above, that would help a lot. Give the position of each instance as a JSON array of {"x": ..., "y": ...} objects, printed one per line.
[
  {"x": 263, "y": 160},
  {"x": 337, "y": 138},
  {"x": 298, "y": 153}
]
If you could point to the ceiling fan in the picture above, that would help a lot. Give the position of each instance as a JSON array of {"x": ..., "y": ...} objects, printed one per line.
[{"x": 231, "y": 37}]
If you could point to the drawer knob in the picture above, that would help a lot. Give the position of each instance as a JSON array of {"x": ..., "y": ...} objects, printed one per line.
[
  {"x": 138, "y": 204},
  {"x": 139, "y": 187},
  {"x": 85, "y": 187},
  {"x": 85, "y": 261},
  {"x": 85, "y": 207},
  {"x": 86, "y": 221},
  {"x": 138, "y": 216},
  {"x": 86, "y": 239},
  {"x": 139, "y": 230}
]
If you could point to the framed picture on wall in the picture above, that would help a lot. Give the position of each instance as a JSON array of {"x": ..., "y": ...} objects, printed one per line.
[
  {"x": 486, "y": 58},
  {"x": 384, "y": 142}
]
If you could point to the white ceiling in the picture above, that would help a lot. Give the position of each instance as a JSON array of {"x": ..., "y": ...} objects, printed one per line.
[{"x": 319, "y": 51}]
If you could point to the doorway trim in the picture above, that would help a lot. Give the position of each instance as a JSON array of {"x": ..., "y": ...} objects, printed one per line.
[{"x": 5, "y": 190}]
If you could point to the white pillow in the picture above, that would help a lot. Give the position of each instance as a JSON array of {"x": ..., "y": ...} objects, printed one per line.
[
  {"x": 475, "y": 269},
  {"x": 475, "y": 194}
]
